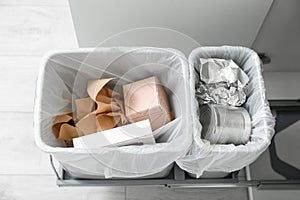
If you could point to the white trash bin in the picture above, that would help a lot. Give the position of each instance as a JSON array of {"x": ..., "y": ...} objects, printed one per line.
[
  {"x": 63, "y": 77},
  {"x": 209, "y": 159}
]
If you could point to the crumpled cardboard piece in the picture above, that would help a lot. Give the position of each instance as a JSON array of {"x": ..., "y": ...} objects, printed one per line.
[
  {"x": 109, "y": 112},
  {"x": 98, "y": 92},
  {"x": 88, "y": 124},
  {"x": 64, "y": 129},
  {"x": 102, "y": 110},
  {"x": 83, "y": 107}
]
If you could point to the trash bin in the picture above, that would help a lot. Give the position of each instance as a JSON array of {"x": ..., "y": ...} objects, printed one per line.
[
  {"x": 63, "y": 78},
  {"x": 204, "y": 157}
]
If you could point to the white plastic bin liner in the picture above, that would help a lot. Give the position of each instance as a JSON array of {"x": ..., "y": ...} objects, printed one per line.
[
  {"x": 227, "y": 158},
  {"x": 63, "y": 78}
]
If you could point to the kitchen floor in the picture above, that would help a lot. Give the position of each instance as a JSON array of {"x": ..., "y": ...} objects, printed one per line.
[{"x": 28, "y": 29}]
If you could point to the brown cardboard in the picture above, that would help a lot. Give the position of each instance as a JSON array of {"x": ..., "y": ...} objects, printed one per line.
[
  {"x": 107, "y": 121},
  {"x": 59, "y": 121},
  {"x": 83, "y": 107},
  {"x": 88, "y": 124},
  {"x": 102, "y": 110},
  {"x": 63, "y": 128},
  {"x": 95, "y": 89},
  {"x": 109, "y": 112}
]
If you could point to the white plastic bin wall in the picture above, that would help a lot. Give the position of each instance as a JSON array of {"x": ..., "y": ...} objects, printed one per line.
[
  {"x": 63, "y": 78},
  {"x": 204, "y": 157}
]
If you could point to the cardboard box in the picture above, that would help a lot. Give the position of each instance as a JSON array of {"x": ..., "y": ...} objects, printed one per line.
[
  {"x": 147, "y": 99},
  {"x": 131, "y": 134}
]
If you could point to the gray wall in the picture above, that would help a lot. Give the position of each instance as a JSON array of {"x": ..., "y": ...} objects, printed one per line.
[
  {"x": 279, "y": 36},
  {"x": 209, "y": 22}
]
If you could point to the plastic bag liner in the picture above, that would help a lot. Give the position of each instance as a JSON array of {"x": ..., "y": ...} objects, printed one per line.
[
  {"x": 63, "y": 78},
  {"x": 205, "y": 157}
]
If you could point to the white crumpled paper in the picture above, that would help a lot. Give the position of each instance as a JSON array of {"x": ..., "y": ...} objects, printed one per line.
[{"x": 222, "y": 82}]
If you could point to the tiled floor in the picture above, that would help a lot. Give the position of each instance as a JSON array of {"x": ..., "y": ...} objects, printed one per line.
[{"x": 28, "y": 29}]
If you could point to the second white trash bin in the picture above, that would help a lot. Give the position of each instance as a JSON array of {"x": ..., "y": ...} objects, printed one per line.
[
  {"x": 205, "y": 157},
  {"x": 64, "y": 77}
]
